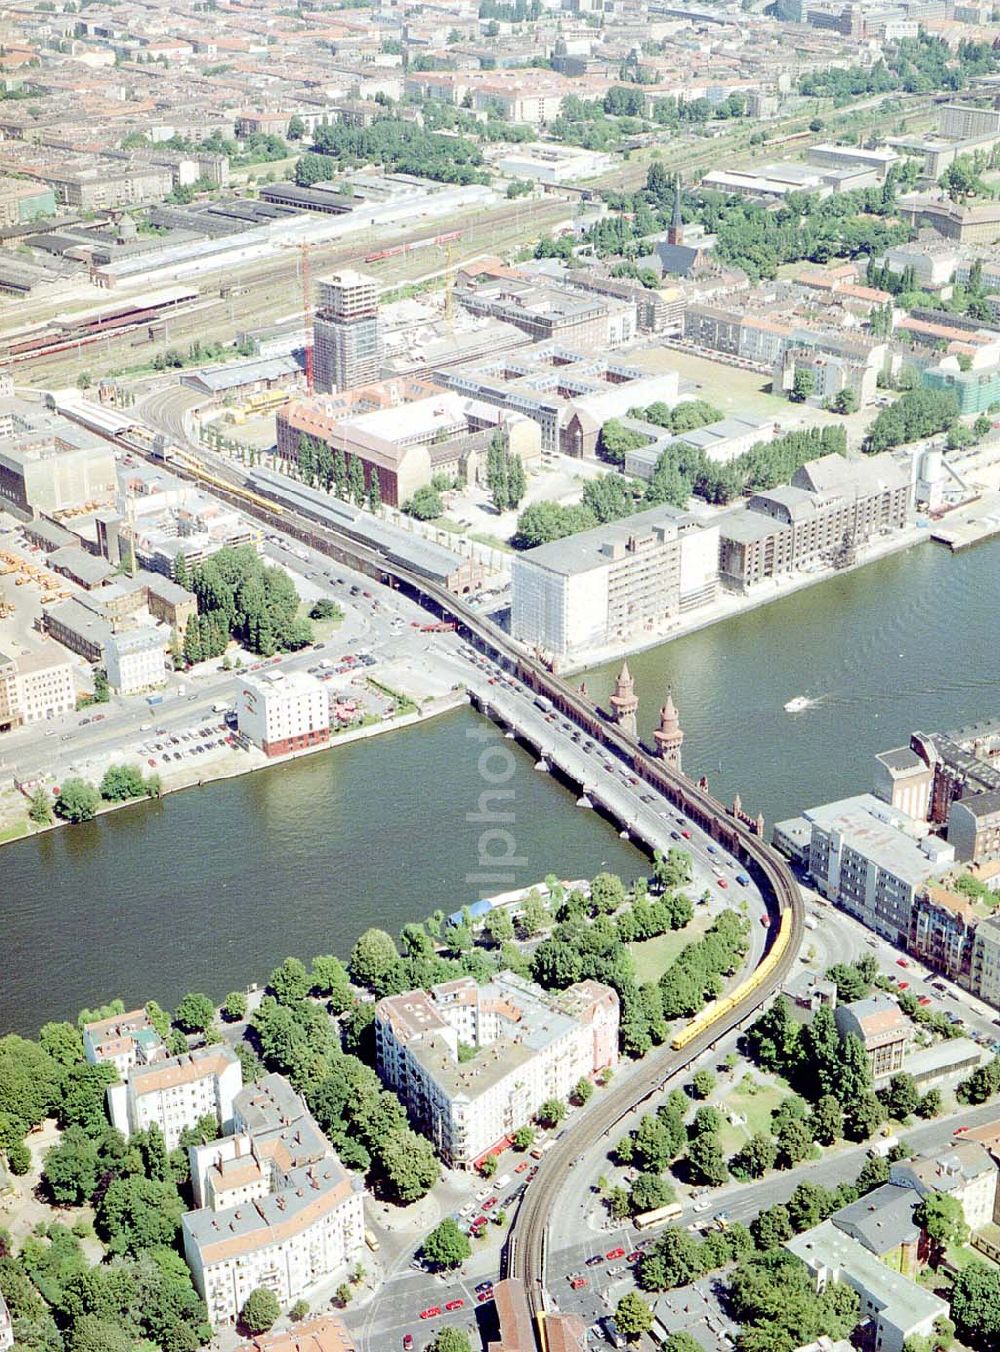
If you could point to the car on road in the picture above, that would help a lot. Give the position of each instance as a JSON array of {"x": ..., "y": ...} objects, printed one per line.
[
  {"x": 901, "y": 962},
  {"x": 903, "y": 985},
  {"x": 612, "y": 1254},
  {"x": 407, "y": 1342},
  {"x": 925, "y": 1001},
  {"x": 722, "y": 882},
  {"x": 484, "y": 1286},
  {"x": 83, "y": 722},
  {"x": 595, "y": 1260},
  {"x": 520, "y": 1168},
  {"x": 490, "y": 1202},
  {"x": 703, "y": 1205},
  {"x": 577, "y": 1281},
  {"x": 960, "y": 1131},
  {"x": 431, "y": 1312},
  {"x": 635, "y": 1255},
  {"x": 483, "y": 1296},
  {"x": 686, "y": 833},
  {"x": 455, "y": 1304}
]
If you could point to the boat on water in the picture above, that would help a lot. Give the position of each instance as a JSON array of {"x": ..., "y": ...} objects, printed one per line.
[{"x": 796, "y": 705}]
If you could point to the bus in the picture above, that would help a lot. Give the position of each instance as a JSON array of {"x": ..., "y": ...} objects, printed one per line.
[
  {"x": 371, "y": 1241},
  {"x": 647, "y": 1219}
]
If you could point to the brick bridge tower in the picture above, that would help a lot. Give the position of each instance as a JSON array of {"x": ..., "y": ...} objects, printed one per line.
[
  {"x": 624, "y": 702},
  {"x": 669, "y": 736}
]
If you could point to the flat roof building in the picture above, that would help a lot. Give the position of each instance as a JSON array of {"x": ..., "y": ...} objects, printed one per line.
[
  {"x": 283, "y": 711},
  {"x": 898, "y": 1307},
  {"x": 622, "y": 580}
]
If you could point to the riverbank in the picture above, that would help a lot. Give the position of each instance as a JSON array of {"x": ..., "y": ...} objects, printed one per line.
[
  {"x": 729, "y": 605},
  {"x": 224, "y": 763}
]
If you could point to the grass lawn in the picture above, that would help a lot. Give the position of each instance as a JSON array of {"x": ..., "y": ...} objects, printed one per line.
[
  {"x": 15, "y": 830},
  {"x": 653, "y": 956},
  {"x": 756, "y": 1108}
]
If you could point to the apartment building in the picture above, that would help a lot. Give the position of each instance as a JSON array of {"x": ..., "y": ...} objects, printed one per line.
[
  {"x": 965, "y": 1172},
  {"x": 872, "y": 861},
  {"x": 36, "y": 685},
  {"x": 965, "y": 121},
  {"x": 530, "y": 1045},
  {"x": 622, "y": 580},
  {"x": 585, "y": 323},
  {"x": 568, "y": 393},
  {"x": 347, "y": 337},
  {"x": 134, "y": 660},
  {"x": 985, "y": 966},
  {"x": 123, "y": 1041},
  {"x": 898, "y": 1308},
  {"x": 322, "y": 1333},
  {"x": 943, "y": 928},
  {"x": 283, "y": 711},
  {"x": 276, "y": 1206},
  {"x": 883, "y": 1029},
  {"x": 974, "y": 827},
  {"x": 177, "y": 1092},
  {"x": 50, "y": 466},
  {"x": 831, "y": 506}
]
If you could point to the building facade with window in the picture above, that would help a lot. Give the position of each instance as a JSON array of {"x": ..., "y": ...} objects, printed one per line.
[
  {"x": 473, "y": 1063},
  {"x": 283, "y": 711}
]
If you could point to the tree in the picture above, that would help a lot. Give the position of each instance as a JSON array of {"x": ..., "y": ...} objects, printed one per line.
[
  {"x": 615, "y": 440},
  {"x": 374, "y": 959},
  {"x": 296, "y": 128},
  {"x": 194, "y": 1013},
  {"x": 582, "y": 1091},
  {"x": 410, "y": 1166},
  {"x": 803, "y": 385},
  {"x": 551, "y": 1112},
  {"x": 40, "y": 807},
  {"x": 844, "y": 401},
  {"x": 102, "y": 691},
  {"x": 755, "y": 1158},
  {"x": 930, "y": 1105},
  {"x": 943, "y": 1218},
  {"x": 450, "y": 1339},
  {"x": 633, "y": 1316},
  {"x": 533, "y": 914},
  {"x": 499, "y": 926},
  {"x": 771, "y": 1227},
  {"x": 649, "y": 1192},
  {"x": 975, "y": 1304},
  {"x": 821, "y": 1044},
  {"x": 488, "y": 1166},
  {"x": 139, "y": 1213},
  {"x": 808, "y": 1205},
  {"x": 447, "y": 1246},
  {"x": 121, "y": 782},
  {"x": 794, "y": 1143},
  {"x": 77, "y": 801},
  {"x": 298, "y": 1311},
  {"x": 235, "y": 1007},
  {"x": 289, "y": 982},
  {"x": 674, "y": 1261},
  {"x": 863, "y": 1117},
  {"x": 900, "y": 1096},
  {"x": 703, "y": 1083},
  {"x": 524, "y": 1138},
  {"x": 62, "y": 1041},
  {"x": 261, "y": 1310},
  {"x": 69, "y": 1171},
  {"x": 826, "y": 1121},
  {"x": 425, "y": 504},
  {"x": 681, "y": 1341},
  {"x": 707, "y": 1162},
  {"x": 854, "y": 1075}
]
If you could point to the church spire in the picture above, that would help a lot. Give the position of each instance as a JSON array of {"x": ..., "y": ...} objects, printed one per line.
[
  {"x": 675, "y": 235},
  {"x": 624, "y": 701}
]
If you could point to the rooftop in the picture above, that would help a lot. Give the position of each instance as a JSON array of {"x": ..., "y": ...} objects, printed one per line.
[{"x": 601, "y": 546}]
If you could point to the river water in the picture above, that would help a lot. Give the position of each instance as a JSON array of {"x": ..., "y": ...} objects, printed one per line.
[{"x": 208, "y": 889}]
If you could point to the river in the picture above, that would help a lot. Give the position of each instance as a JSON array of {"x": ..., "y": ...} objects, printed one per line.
[{"x": 209, "y": 888}]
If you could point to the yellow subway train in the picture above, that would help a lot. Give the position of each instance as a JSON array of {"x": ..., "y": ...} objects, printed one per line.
[{"x": 718, "y": 1008}]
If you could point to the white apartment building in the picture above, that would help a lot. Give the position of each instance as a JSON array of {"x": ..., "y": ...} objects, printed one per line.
[
  {"x": 6, "y": 1326},
  {"x": 278, "y": 1208},
  {"x": 622, "y": 580},
  {"x": 123, "y": 1041},
  {"x": 35, "y": 686},
  {"x": 134, "y": 660},
  {"x": 283, "y": 711},
  {"x": 871, "y": 859},
  {"x": 966, "y": 1172},
  {"x": 177, "y": 1092},
  {"x": 898, "y": 1308},
  {"x": 530, "y": 1045},
  {"x": 986, "y": 961}
]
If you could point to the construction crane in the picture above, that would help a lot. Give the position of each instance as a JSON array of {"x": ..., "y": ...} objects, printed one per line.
[{"x": 305, "y": 271}]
